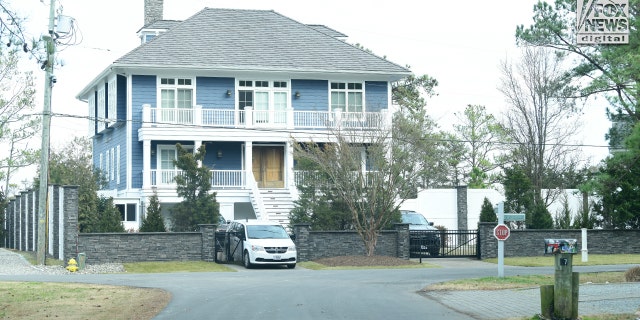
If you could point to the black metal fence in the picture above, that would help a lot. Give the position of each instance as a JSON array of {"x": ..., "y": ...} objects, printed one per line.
[{"x": 443, "y": 243}]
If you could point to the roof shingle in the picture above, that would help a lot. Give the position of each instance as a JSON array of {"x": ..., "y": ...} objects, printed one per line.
[{"x": 231, "y": 39}]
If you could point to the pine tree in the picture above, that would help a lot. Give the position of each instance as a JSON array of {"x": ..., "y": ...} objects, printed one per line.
[
  {"x": 109, "y": 217},
  {"x": 487, "y": 214},
  {"x": 153, "y": 222}
]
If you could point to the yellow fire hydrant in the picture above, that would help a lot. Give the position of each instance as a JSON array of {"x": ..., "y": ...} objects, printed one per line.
[{"x": 72, "y": 265}]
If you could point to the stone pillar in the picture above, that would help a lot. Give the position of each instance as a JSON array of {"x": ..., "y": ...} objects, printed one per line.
[
  {"x": 208, "y": 241},
  {"x": 70, "y": 222},
  {"x": 301, "y": 231},
  {"x": 461, "y": 192},
  {"x": 402, "y": 240}
]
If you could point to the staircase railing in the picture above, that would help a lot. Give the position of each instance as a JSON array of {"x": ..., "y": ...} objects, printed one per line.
[{"x": 256, "y": 198}]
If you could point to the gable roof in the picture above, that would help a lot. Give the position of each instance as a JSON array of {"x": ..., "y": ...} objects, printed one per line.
[{"x": 237, "y": 40}]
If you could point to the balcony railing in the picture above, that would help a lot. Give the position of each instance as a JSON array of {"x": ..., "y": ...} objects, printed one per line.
[
  {"x": 250, "y": 118},
  {"x": 220, "y": 179},
  {"x": 301, "y": 177}
]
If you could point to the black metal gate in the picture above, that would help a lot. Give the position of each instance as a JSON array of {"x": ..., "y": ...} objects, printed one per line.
[
  {"x": 225, "y": 249},
  {"x": 443, "y": 243}
]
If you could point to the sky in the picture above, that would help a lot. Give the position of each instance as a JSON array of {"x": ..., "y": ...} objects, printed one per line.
[{"x": 459, "y": 43}]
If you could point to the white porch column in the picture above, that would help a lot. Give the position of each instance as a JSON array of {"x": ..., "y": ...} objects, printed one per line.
[
  {"x": 248, "y": 156},
  {"x": 248, "y": 117},
  {"x": 197, "y": 115},
  {"x": 196, "y": 146},
  {"x": 290, "y": 118},
  {"x": 146, "y": 115},
  {"x": 290, "y": 174},
  {"x": 146, "y": 164}
]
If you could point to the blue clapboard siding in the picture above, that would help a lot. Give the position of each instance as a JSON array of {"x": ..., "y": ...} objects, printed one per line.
[
  {"x": 143, "y": 92},
  {"x": 376, "y": 96},
  {"x": 314, "y": 95},
  {"x": 231, "y": 156},
  {"x": 211, "y": 92}
]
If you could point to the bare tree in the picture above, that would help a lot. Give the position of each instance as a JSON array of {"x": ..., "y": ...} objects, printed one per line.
[
  {"x": 372, "y": 171},
  {"x": 18, "y": 124},
  {"x": 540, "y": 121}
]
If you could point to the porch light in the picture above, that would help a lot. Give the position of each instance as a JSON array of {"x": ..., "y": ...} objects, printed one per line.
[
  {"x": 229, "y": 93},
  {"x": 219, "y": 154},
  {"x": 297, "y": 94}
]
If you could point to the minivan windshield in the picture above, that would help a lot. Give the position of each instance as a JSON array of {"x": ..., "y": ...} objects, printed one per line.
[
  {"x": 414, "y": 218},
  {"x": 266, "y": 232}
]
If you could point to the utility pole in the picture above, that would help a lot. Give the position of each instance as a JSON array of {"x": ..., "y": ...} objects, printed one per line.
[{"x": 50, "y": 47}]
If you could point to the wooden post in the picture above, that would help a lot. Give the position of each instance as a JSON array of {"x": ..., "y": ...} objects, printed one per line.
[
  {"x": 546, "y": 301},
  {"x": 562, "y": 294},
  {"x": 575, "y": 282}
]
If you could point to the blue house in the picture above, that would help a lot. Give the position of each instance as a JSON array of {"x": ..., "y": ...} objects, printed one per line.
[{"x": 241, "y": 82}]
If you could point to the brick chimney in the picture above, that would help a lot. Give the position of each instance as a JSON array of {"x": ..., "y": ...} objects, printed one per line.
[{"x": 152, "y": 11}]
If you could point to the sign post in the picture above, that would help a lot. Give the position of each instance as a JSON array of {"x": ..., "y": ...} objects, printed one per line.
[{"x": 501, "y": 232}]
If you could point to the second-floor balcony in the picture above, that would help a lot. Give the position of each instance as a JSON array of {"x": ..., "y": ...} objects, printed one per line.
[{"x": 250, "y": 118}]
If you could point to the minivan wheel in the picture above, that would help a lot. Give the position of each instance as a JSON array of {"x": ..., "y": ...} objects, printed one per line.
[
  {"x": 291, "y": 266},
  {"x": 246, "y": 260}
]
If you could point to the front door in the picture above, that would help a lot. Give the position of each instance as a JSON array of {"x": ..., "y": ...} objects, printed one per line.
[{"x": 268, "y": 166}]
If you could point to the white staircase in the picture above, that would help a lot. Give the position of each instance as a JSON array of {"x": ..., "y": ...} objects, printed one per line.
[{"x": 278, "y": 203}]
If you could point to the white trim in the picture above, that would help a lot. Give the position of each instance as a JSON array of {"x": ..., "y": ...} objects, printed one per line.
[
  {"x": 50, "y": 219},
  {"x": 129, "y": 134},
  {"x": 61, "y": 219}
]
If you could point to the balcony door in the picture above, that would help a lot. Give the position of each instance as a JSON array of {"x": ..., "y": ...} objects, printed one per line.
[{"x": 268, "y": 166}]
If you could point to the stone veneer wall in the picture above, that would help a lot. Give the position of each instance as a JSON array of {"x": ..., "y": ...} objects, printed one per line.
[
  {"x": 522, "y": 243},
  {"x": 313, "y": 245}
]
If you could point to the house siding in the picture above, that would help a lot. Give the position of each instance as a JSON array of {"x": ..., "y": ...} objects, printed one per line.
[
  {"x": 314, "y": 95},
  {"x": 231, "y": 156},
  {"x": 143, "y": 92},
  {"x": 376, "y": 95},
  {"x": 212, "y": 92}
]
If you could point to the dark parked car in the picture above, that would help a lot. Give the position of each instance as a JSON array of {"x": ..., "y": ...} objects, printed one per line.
[{"x": 424, "y": 237}]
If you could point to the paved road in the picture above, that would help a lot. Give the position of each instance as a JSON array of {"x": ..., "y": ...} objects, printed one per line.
[{"x": 277, "y": 293}]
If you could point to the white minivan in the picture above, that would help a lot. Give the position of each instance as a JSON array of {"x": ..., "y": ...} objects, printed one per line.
[{"x": 261, "y": 242}]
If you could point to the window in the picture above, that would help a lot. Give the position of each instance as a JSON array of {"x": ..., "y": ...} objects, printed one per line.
[
  {"x": 118, "y": 164},
  {"x": 92, "y": 116},
  {"x": 347, "y": 96},
  {"x": 269, "y": 100},
  {"x": 127, "y": 211},
  {"x": 100, "y": 165},
  {"x": 167, "y": 169},
  {"x": 113, "y": 165},
  {"x": 107, "y": 167},
  {"x": 111, "y": 102},
  {"x": 176, "y": 100},
  {"x": 101, "y": 109}
]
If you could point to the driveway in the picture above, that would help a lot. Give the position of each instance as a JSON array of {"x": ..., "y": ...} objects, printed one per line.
[{"x": 280, "y": 293}]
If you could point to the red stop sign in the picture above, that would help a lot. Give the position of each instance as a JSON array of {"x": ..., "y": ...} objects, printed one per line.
[{"x": 501, "y": 232}]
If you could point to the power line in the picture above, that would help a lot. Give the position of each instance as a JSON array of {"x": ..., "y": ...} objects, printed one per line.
[{"x": 442, "y": 140}]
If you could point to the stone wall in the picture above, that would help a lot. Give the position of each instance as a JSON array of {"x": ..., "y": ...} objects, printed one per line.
[
  {"x": 21, "y": 222},
  {"x": 523, "y": 243},
  {"x": 142, "y": 246},
  {"x": 313, "y": 245}
]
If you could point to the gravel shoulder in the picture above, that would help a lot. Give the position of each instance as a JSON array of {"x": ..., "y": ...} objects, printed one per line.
[{"x": 12, "y": 263}]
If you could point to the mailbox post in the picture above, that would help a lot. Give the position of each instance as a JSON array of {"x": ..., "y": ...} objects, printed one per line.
[{"x": 566, "y": 282}]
